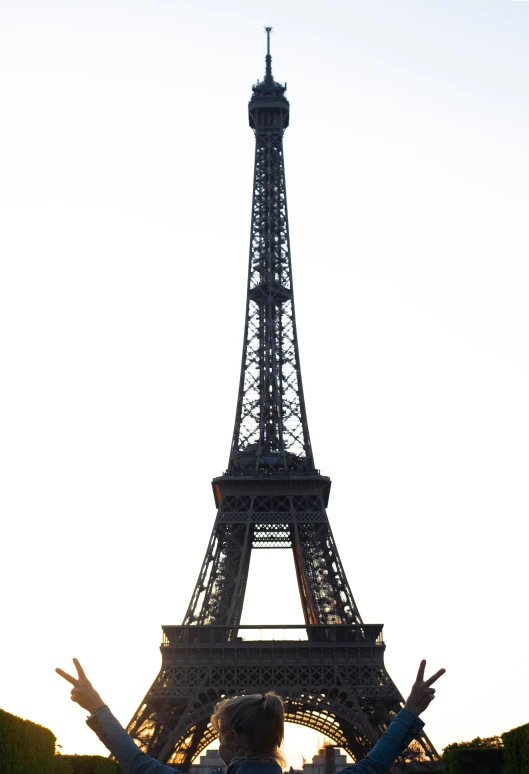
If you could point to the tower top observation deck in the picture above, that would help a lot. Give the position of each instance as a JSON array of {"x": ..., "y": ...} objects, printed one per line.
[{"x": 268, "y": 93}]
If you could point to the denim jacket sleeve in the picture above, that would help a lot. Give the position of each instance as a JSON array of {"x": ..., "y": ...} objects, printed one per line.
[
  {"x": 400, "y": 733},
  {"x": 122, "y": 746}
]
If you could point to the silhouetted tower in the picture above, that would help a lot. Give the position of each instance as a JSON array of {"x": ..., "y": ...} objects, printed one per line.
[{"x": 330, "y": 671}]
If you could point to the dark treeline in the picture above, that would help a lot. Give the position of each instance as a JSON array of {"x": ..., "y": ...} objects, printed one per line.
[
  {"x": 27, "y": 748},
  {"x": 505, "y": 754}
]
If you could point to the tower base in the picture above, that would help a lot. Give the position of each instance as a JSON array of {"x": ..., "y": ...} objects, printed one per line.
[{"x": 332, "y": 679}]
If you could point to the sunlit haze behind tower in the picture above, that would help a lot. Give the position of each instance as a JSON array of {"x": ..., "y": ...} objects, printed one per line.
[{"x": 125, "y": 199}]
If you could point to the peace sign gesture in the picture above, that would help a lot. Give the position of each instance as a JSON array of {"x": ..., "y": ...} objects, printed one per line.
[
  {"x": 83, "y": 692},
  {"x": 422, "y": 693}
]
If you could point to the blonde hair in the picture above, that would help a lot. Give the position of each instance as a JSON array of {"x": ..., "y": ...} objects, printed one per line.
[{"x": 258, "y": 719}]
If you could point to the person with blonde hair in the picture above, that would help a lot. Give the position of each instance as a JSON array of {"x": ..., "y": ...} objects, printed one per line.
[{"x": 250, "y": 730}]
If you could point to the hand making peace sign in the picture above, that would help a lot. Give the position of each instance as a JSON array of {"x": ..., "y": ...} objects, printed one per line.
[
  {"x": 83, "y": 692},
  {"x": 422, "y": 693}
]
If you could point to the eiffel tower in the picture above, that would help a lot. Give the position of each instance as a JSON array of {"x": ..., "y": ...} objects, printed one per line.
[{"x": 330, "y": 671}]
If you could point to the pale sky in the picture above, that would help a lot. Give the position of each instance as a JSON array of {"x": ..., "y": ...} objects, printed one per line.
[{"x": 125, "y": 191}]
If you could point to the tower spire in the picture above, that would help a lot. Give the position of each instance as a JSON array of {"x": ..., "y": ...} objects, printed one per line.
[{"x": 268, "y": 59}]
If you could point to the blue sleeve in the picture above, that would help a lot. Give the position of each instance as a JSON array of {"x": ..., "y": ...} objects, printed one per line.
[
  {"x": 122, "y": 746},
  {"x": 400, "y": 733}
]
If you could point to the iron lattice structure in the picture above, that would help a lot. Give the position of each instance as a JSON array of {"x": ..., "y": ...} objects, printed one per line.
[{"x": 330, "y": 671}]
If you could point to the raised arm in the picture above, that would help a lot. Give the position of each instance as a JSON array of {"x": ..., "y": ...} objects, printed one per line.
[
  {"x": 109, "y": 730},
  {"x": 402, "y": 730}
]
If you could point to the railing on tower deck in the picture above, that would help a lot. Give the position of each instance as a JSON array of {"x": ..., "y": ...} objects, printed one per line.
[
  {"x": 275, "y": 473},
  {"x": 325, "y": 635}
]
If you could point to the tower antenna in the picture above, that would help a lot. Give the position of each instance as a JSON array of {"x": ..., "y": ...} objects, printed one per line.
[{"x": 268, "y": 71}]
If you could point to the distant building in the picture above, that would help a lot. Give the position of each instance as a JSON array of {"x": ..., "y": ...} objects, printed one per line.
[
  {"x": 207, "y": 763},
  {"x": 328, "y": 760}
]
